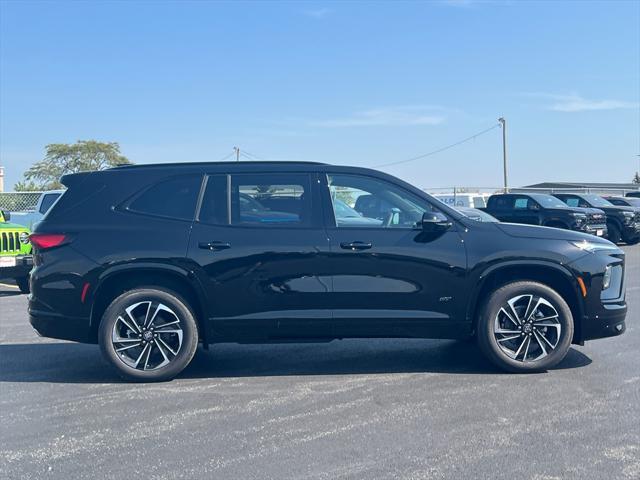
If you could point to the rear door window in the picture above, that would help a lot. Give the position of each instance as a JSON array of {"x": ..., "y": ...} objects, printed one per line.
[
  {"x": 271, "y": 200},
  {"x": 173, "y": 198}
]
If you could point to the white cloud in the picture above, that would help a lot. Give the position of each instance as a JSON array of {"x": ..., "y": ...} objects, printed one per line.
[
  {"x": 389, "y": 116},
  {"x": 318, "y": 13},
  {"x": 576, "y": 103}
]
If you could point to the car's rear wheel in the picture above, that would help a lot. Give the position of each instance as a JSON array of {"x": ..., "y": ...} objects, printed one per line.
[
  {"x": 525, "y": 327},
  {"x": 23, "y": 284},
  {"x": 148, "y": 334}
]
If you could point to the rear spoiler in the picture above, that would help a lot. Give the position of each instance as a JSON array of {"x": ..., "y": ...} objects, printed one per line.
[{"x": 73, "y": 179}]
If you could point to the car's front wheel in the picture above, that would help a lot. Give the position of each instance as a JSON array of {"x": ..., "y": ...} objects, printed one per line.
[
  {"x": 148, "y": 334},
  {"x": 525, "y": 327}
]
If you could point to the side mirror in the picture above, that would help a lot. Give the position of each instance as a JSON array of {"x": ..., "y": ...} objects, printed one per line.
[
  {"x": 435, "y": 222},
  {"x": 6, "y": 215}
]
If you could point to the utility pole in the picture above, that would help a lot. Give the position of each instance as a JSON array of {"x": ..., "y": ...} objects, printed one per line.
[
  {"x": 503, "y": 122},
  {"x": 237, "y": 150}
]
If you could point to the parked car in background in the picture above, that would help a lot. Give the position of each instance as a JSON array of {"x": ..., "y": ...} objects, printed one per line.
[
  {"x": 174, "y": 260},
  {"x": 623, "y": 201},
  {"x": 15, "y": 252},
  {"x": 477, "y": 214},
  {"x": 30, "y": 218},
  {"x": 472, "y": 200},
  {"x": 623, "y": 222},
  {"x": 633, "y": 194},
  {"x": 547, "y": 211}
]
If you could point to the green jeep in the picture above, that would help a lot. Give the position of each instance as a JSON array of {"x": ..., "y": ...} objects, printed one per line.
[{"x": 15, "y": 252}]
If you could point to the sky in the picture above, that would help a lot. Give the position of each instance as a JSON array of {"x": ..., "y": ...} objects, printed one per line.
[{"x": 350, "y": 83}]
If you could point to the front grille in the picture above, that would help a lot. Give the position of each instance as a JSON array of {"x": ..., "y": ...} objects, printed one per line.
[
  {"x": 596, "y": 219},
  {"x": 10, "y": 242}
]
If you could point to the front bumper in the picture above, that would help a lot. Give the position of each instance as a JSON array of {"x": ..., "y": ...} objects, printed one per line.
[
  {"x": 598, "y": 230},
  {"x": 608, "y": 322},
  {"x": 23, "y": 265}
]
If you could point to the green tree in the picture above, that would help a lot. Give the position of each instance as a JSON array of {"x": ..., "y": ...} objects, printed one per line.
[
  {"x": 61, "y": 159},
  {"x": 636, "y": 178}
]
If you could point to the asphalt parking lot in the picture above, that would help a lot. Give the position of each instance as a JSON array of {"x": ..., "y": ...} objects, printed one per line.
[{"x": 414, "y": 409}]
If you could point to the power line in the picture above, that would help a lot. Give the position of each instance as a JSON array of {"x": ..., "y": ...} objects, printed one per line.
[
  {"x": 442, "y": 149},
  {"x": 227, "y": 157},
  {"x": 249, "y": 155}
]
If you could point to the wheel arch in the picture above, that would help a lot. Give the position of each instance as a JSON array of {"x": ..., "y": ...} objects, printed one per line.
[
  {"x": 118, "y": 280},
  {"x": 555, "y": 276}
]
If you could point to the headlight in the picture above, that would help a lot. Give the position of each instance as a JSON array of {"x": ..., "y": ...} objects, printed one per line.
[
  {"x": 606, "y": 280},
  {"x": 578, "y": 215},
  {"x": 628, "y": 217},
  {"x": 588, "y": 246},
  {"x": 24, "y": 238}
]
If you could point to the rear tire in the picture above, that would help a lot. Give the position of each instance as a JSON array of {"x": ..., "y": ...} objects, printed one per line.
[
  {"x": 525, "y": 327},
  {"x": 148, "y": 334},
  {"x": 23, "y": 284},
  {"x": 614, "y": 234}
]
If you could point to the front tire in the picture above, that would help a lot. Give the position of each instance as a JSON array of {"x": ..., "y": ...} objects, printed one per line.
[
  {"x": 525, "y": 327},
  {"x": 148, "y": 334},
  {"x": 614, "y": 234}
]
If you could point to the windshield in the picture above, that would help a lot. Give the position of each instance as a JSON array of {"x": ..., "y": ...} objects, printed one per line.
[
  {"x": 597, "y": 201},
  {"x": 549, "y": 201}
]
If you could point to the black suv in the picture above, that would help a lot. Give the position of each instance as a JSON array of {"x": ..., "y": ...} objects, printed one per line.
[
  {"x": 547, "y": 211},
  {"x": 623, "y": 222},
  {"x": 148, "y": 261}
]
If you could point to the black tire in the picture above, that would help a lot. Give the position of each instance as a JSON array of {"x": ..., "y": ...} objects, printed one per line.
[
  {"x": 613, "y": 234},
  {"x": 112, "y": 326},
  {"x": 632, "y": 241},
  {"x": 489, "y": 316},
  {"x": 23, "y": 284}
]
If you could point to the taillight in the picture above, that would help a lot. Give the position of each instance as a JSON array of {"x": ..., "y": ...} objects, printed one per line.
[{"x": 43, "y": 241}]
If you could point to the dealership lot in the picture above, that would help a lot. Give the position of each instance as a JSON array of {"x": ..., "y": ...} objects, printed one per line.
[{"x": 361, "y": 408}]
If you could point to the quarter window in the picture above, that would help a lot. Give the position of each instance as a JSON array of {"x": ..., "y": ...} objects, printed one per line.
[
  {"x": 175, "y": 198},
  {"x": 271, "y": 200},
  {"x": 367, "y": 202}
]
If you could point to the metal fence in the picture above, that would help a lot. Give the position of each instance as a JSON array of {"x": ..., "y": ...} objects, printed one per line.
[{"x": 19, "y": 201}]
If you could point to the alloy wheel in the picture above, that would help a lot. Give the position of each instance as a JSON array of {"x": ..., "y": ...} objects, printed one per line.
[
  {"x": 147, "y": 335},
  {"x": 527, "y": 328}
]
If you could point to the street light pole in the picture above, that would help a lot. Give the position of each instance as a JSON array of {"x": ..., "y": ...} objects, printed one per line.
[{"x": 503, "y": 122}]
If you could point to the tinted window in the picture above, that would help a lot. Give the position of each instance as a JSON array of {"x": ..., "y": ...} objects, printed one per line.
[
  {"x": 367, "y": 202},
  {"x": 501, "y": 201},
  {"x": 175, "y": 198},
  {"x": 271, "y": 200},
  {"x": 47, "y": 201},
  {"x": 214, "y": 202}
]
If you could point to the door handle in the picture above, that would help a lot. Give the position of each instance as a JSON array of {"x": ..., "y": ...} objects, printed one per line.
[
  {"x": 357, "y": 245},
  {"x": 213, "y": 246}
]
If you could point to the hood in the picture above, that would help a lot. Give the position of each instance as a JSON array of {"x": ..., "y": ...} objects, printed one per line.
[
  {"x": 546, "y": 233},
  {"x": 620, "y": 209},
  {"x": 13, "y": 226}
]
